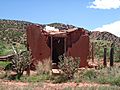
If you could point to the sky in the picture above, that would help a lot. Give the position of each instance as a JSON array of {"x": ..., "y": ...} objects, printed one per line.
[{"x": 100, "y": 15}]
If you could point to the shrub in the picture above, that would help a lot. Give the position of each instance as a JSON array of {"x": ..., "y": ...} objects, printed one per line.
[
  {"x": 117, "y": 54},
  {"x": 11, "y": 36},
  {"x": 69, "y": 66},
  {"x": 99, "y": 46}
]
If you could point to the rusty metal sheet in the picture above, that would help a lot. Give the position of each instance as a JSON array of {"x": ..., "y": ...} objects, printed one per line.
[{"x": 77, "y": 44}]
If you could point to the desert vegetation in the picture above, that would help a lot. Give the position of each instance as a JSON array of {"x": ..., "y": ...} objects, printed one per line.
[
  {"x": 70, "y": 77},
  {"x": 99, "y": 45}
]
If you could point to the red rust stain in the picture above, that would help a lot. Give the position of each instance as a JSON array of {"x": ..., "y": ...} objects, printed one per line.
[
  {"x": 77, "y": 44},
  {"x": 37, "y": 43}
]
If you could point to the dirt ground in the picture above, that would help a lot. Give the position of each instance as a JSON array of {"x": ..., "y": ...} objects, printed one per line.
[{"x": 47, "y": 86}]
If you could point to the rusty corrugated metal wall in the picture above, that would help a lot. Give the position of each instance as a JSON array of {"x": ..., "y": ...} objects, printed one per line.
[
  {"x": 37, "y": 42},
  {"x": 77, "y": 44}
]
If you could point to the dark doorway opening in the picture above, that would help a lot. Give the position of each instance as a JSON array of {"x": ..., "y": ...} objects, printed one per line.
[{"x": 57, "y": 48}]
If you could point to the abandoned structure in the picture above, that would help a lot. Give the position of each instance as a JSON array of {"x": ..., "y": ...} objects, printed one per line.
[{"x": 53, "y": 43}]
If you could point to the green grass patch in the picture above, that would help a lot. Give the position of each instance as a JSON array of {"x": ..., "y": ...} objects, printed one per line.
[
  {"x": 89, "y": 75},
  {"x": 109, "y": 76},
  {"x": 6, "y": 52},
  {"x": 3, "y": 64},
  {"x": 35, "y": 78},
  {"x": 6, "y": 48},
  {"x": 103, "y": 76}
]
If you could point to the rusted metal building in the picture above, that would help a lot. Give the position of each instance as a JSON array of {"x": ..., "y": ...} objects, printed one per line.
[{"x": 71, "y": 42}]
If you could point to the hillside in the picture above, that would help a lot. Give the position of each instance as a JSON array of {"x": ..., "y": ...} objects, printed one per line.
[
  {"x": 13, "y": 24},
  {"x": 21, "y": 26},
  {"x": 96, "y": 35},
  {"x": 61, "y": 26}
]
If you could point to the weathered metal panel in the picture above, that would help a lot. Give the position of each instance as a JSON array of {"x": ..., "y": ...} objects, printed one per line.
[
  {"x": 77, "y": 44},
  {"x": 37, "y": 42}
]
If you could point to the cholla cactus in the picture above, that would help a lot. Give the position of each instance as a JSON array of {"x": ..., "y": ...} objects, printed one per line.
[
  {"x": 69, "y": 66},
  {"x": 20, "y": 61}
]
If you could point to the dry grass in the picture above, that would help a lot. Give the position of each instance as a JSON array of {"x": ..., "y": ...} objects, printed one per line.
[{"x": 44, "y": 67}]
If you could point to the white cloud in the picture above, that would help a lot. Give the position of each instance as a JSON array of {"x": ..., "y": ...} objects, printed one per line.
[
  {"x": 105, "y": 4},
  {"x": 113, "y": 28}
]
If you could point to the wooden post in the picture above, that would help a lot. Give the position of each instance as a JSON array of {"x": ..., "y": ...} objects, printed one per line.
[
  {"x": 112, "y": 54},
  {"x": 28, "y": 70},
  {"x": 51, "y": 46},
  {"x": 104, "y": 60},
  {"x": 65, "y": 46},
  {"x": 28, "y": 67},
  {"x": 92, "y": 52}
]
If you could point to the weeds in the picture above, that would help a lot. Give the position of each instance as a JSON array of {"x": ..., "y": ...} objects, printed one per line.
[
  {"x": 59, "y": 79},
  {"x": 89, "y": 75},
  {"x": 44, "y": 67},
  {"x": 103, "y": 76},
  {"x": 109, "y": 76}
]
